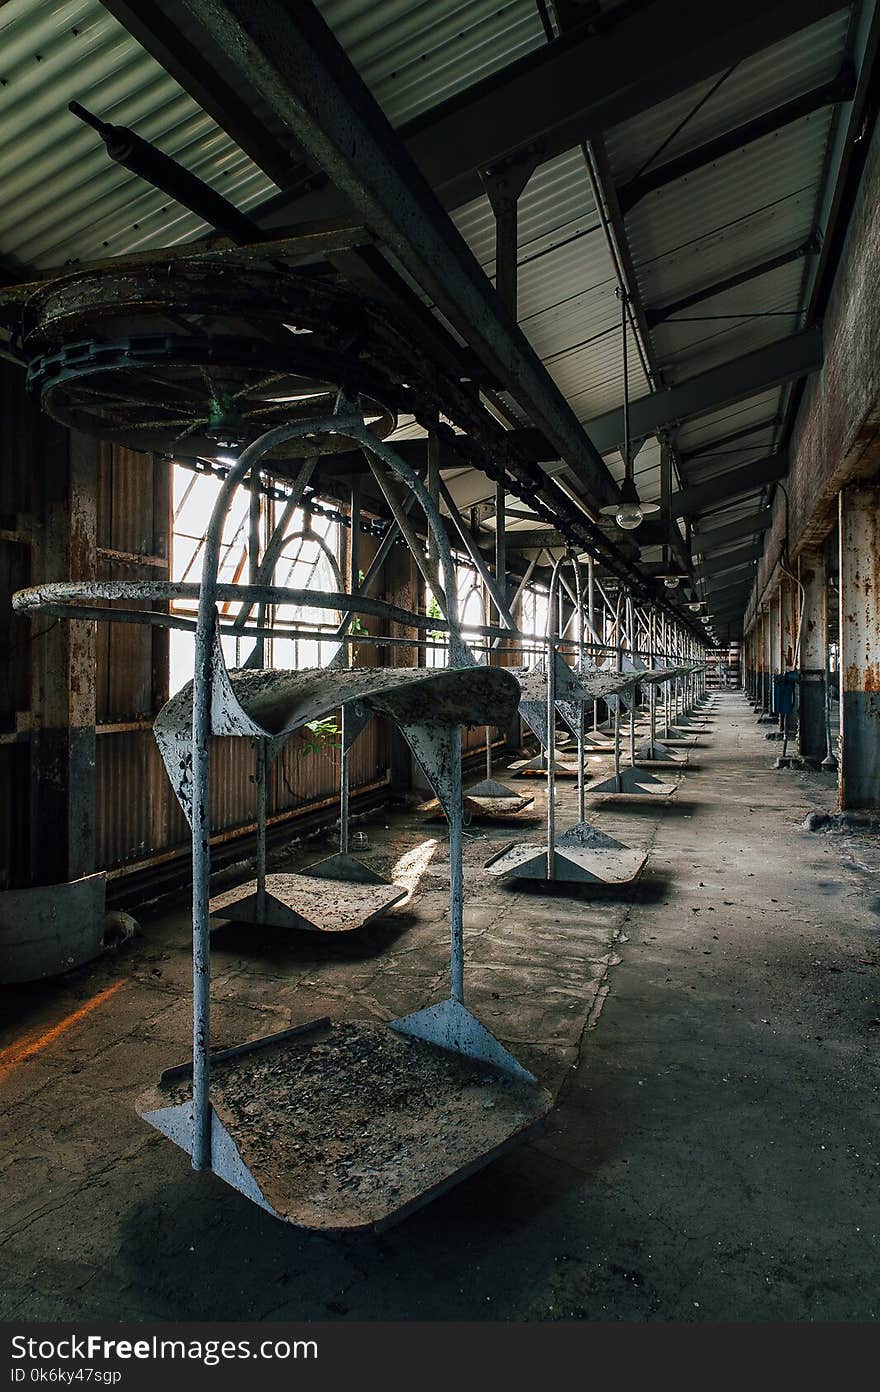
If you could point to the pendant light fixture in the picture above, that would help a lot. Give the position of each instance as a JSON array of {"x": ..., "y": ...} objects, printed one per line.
[
  {"x": 628, "y": 512},
  {"x": 670, "y": 574}
]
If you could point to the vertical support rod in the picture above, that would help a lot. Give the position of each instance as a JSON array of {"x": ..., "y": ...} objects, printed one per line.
[
  {"x": 456, "y": 874},
  {"x": 200, "y": 821},
  {"x": 262, "y": 781},
  {"x": 354, "y": 553}
]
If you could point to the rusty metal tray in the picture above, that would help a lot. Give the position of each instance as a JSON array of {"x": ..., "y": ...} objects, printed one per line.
[
  {"x": 309, "y": 902},
  {"x": 350, "y": 1126}
]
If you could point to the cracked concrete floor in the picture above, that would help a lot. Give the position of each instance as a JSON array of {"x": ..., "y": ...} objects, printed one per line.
[{"x": 714, "y": 1149}]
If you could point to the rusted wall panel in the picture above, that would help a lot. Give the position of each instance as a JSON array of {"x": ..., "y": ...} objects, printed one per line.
[
  {"x": 138, "y": 816},
  {"x": 837, "y": 433},
  {"x": 131, "y": 522}
]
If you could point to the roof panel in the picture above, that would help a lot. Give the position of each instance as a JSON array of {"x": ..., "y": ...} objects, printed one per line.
[
  {"x": 703, "y": 430},
  {"x": 716, "y": 329},
  {"x": 65, "y": 199},
  {"x": 716, "y": 200},
  {"x": 414, "y": 54},
  {"x": 787, "y": 69}
]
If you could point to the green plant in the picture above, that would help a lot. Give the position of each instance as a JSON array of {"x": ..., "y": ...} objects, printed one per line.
[
  {"x": 318, "y": 736},
  {"x": 435, "y": 612},
  {"x": 356, "y": 626}
]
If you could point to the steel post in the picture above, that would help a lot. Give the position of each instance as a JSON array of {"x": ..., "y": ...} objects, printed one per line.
[
  {"x": 859, "y": 776},
  {"x": 813, "y": 576}
]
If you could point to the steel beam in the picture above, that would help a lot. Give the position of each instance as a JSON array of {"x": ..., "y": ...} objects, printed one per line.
[
  {"x": 657, "y": 314},
  {"x": 781, "y": 361},
  {"x": 703, "y": 497},
  {"x": 583, "y": 83},
  {"x": 706, "y": 543},
  {"x": 840, "y": 88},
  {"x": 157, "y": 29},
  {"x": 289, "y": 62},
  {"x": 732, "y": 560},
  {"x": 731, "y": 438}
]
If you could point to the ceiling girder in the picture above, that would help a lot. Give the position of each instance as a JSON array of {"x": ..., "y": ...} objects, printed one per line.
[
  {"x": 582, "y": 84},
  {"x": 659, "y": 313},
  {"x": 840, "y": 88},
  {"x": 781, "y": 361},
  {"x": 705, "y": 543},
  {"x": 703, "y": 497}
]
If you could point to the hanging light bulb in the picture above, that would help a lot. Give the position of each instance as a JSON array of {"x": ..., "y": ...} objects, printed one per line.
[
  {"x": 695, "y": 606},
  {"x": 671, "y": 575},
  {"x": 628, "y": 512}
]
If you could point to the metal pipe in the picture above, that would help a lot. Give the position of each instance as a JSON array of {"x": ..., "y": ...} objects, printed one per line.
[
  {"x": 456, "y": 871},
  {"x": 156, "y": 168},
  {"x": 473, "y": 551},
  {"x": 261, "y": 779},
  {"x": 551, "y": 720},
  {"x": 581, "y": 740},
  {"x": 344, "y": 763},
  {"x": 424, "y": 561}
]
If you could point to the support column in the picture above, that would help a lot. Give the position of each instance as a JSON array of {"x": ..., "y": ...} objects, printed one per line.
[
  {"x": 774, "y": 655},
  {"x": 859, "y": 777},
  {"x": 401, "y": 588},
  {"x": 788, "y": 616},
  {"x": 812, "y": 573},
  {"x": 766, "y": 661},
  {"x": 62, "y": 762}
]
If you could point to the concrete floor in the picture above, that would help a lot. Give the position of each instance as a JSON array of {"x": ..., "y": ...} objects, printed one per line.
[{"x": 713, "y": 1154}]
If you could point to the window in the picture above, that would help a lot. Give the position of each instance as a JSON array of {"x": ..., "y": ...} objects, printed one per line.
[
  {"x": 534, "y": 609},
  {"x": 302, "y": 564},
  {"x": 471, "y": 613}
]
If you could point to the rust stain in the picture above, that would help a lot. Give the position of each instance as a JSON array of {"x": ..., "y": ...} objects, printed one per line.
[{"x": 15, "y": 1054}]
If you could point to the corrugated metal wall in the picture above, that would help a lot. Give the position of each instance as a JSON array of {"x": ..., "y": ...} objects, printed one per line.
[
  {"x": 139, "y": 819},
  {"x": 137, "y": 816}
]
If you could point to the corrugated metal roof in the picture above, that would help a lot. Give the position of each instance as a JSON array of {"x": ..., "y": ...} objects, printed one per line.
[
  {"x": 732, "y": 214},
  {"x": 718, "y": 201},
  {"x": 414, "y": 54},
  {"x": 64, "y": 199},
  {"x": 700, "y": 432},
  {"x": 785, "y": 70},
  {"x": 567, "y": 304},
  {"x": 727, "y": 325}
]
